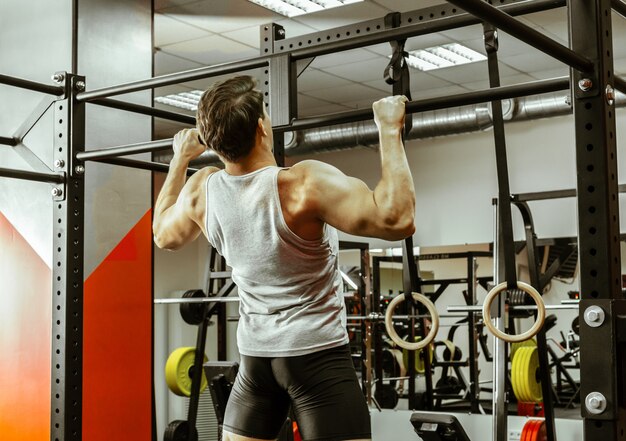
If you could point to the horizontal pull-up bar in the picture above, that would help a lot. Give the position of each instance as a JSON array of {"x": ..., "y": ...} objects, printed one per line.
[
  {"x": 145, "y": 110},
  {"x": 8, "y": 141},
  {"x": 463, "y": 99},
  {"x": 175, "y": 78},
  {"x": 50, "y": 178},
  {"x": 619, "y": 6},
  {"x": 525, "y": 33},
  {"x": 555, "y": 194},
  {"x": 31, "y": 85},
  {"x": 124, "y": 150},
  {"x": 142, "y": 165},
  {"x": 317, "y": 49}
]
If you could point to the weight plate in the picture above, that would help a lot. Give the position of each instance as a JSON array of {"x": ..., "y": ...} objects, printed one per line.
[
  {"x": 178, "y": 430},
  {"x": 524, "y": 372},
  {"x": 537, "y": 432},
  {"x": 178, "y": 371},
  {"x": 534, "y": 385},
  {"x": 523, "y": 344},
  {"x": 192, "y": 313},
  {"x": 386, "y": 396},
  {"x": 419, "y": 358},
  {"x": 515, "y": 376},
  {"x": 528, "y": 430}
]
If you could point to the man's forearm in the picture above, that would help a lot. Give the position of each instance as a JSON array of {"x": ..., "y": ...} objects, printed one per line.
[
  {"x": 395, "y": 192},
  {"x": 174, "y": 183}
]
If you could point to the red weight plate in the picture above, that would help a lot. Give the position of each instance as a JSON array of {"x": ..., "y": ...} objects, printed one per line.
[{"x": 526, "y": 431}]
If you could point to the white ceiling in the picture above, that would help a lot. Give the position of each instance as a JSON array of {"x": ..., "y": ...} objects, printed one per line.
[{"x": 194, "y": 33}]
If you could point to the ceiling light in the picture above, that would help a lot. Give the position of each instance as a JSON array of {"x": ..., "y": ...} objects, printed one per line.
[
  {"x": 438, "y": 57},
  {"x": 291, "y": 8},
  {"x": 184, "y": 100}
]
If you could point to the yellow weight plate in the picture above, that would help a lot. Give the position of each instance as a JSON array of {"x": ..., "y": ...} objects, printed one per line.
[
  {"x": 177, "y": 371},
  {"x": 526, "y": 343},
  {"x": 419, "y": 361},
  {"x": 515, "y": 375},
  {"x": 534, "y": 386},
  {"x": 525, "y": 374}
]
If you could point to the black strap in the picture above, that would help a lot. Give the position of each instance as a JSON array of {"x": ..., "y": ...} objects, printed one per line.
[{"x": 504, "y": 193}]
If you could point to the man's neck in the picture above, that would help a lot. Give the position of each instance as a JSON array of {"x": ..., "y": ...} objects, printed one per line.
[{"x": 254, "y": 161}]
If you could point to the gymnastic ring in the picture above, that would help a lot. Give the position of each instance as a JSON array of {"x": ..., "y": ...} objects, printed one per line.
[
  {"x": 394, "y": 335},
  {"x": 536, "y": 327}
]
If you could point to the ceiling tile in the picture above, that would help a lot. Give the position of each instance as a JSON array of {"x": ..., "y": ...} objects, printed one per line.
[
  {"x": 472, "y": 71},
  {"x": 547, "y": 18},
  {"x": 360, "y": 71},
  {"x": 168, "y": 30},
  {"x": 164, "y": 4},
  {"x": 340, "y": 58},
  {"x": 223, "y": 16},
  {"x": 531, "y": 61},
  {"x": 550, "y": 73},
  {"x": 312, "y": 79},
  {"x": 464, "y": 34},
  {"x": 248, "y": 36},
  {"x": 420, "y": 42},
  {"x": 211, "y": 50},
  {"x": 165, "y": 63},
  {"x": 504, "y": 81},
  {"x": 346, "y": 93},
  {"x": 439, "y": 91},
  {"x": 305, "y": 101},
  {"x": 294, "y": 28},
  {"x": 342, "y": 16},
  {"x": 205, "y": 83}
]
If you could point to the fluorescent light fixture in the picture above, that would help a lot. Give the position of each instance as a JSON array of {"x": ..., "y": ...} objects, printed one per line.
[
  {"x": 291, "y": 8},
  {"x": 348, "y": 280},
  {"x": 184, "y": 100},
  {"x": 438, "y": 57}
]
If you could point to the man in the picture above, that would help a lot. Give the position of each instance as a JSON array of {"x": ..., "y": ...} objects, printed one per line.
[{"x": 276, "y": 227}]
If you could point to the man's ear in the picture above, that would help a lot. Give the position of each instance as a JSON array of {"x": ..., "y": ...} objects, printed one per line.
[{"x": 261, "y": 127}]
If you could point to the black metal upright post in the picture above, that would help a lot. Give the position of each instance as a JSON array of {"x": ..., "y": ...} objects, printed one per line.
[
  {"x": 472, "y": 332},
  {"x": 67, "y": 273},
  {"x": 603, "y": 363}
]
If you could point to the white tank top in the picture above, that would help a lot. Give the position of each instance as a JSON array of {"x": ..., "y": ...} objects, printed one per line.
[{"x": 290, "y": 289}]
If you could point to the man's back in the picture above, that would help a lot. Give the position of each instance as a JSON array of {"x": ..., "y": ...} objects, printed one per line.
[{"x": 290, "y": 288}]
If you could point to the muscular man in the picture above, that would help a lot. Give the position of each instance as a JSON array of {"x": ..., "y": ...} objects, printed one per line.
[{"x": 277, "y": 229}]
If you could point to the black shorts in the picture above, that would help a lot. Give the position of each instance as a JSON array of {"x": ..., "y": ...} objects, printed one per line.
[{"x": 322, "y": 389}]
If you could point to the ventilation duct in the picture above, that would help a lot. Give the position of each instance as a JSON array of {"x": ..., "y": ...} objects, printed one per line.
[{"x": 425, "y": 125}]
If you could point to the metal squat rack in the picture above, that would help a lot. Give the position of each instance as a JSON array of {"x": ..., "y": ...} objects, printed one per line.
[{"x": 591, "y": 81}]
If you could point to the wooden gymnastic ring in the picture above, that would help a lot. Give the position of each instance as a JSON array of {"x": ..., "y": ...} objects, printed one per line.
[
  {"x": 536, "y": 327},
  {"x": 421, "y": 298}
]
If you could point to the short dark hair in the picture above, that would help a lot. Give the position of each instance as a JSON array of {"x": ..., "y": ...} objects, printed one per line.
[{"x": 228, "y": 115}]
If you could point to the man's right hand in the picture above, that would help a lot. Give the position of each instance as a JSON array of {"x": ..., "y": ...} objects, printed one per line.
[
  {"x": 187, "y": 144},
  {"x": 390, "y": 111}
]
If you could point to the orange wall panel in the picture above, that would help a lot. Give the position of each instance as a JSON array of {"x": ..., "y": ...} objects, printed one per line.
[
  {"x": 25, "y": 332},
  {"x": 117, "y": 358}
]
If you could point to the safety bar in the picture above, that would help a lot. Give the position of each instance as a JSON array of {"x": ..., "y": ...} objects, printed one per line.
[
  {"x": 8, "y": 141},
  {"x": 50, "y": 178},
  {"x": 31, "y": 85}
]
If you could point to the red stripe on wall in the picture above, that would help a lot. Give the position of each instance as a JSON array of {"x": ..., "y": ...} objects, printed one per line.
[
  {"x": 25, "y": 332},
  {"x": 117, "y": 357}
]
